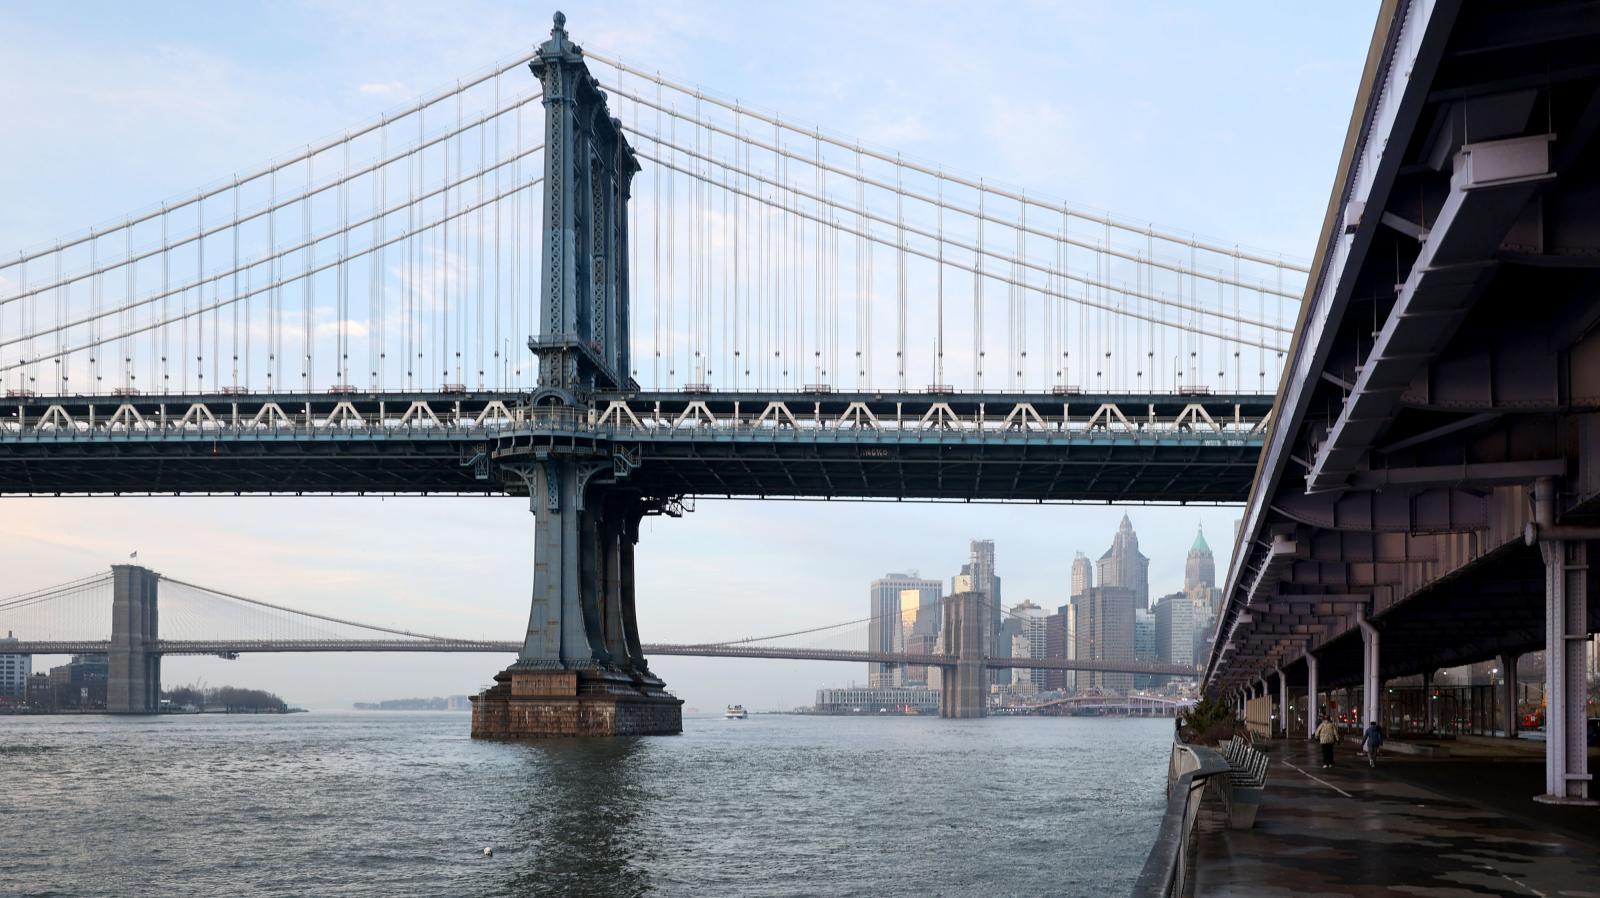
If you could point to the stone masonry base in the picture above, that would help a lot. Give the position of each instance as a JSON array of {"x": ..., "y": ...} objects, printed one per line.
[{"x": 532, "y": 704}]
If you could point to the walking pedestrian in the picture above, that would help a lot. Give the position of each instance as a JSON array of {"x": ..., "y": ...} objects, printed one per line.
[
  {"x": 1327, "y": 735},
  {"x": 1371, "y": 741}
]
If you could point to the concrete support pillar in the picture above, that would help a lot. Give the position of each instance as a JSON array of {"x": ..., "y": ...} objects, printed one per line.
[
  {"x": 1313, "y": 706},
  {"x": 1283, "y": 702},
  {"x": 133, "y": 667},
  {"x": 1371, "y": 678},
  {"x": 557, "y": 637},
  {"x": 1510, "y": 719},
  {"x": 1566, "y": 590},
  {"x": 625, "y": 588},
  {"x": 1427, "y": 701}
]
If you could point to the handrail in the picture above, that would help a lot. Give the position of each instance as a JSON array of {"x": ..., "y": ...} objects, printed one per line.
[{"x": 1166, "y": 868}]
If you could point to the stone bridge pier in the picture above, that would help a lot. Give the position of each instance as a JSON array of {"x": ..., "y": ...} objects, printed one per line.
[{"x": 133, "y": 684}]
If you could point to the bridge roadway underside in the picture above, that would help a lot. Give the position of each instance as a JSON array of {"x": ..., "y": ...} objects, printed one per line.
[{"x": 994, "y": 446}]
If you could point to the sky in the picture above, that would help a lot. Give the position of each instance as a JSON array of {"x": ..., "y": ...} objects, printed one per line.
[{"x": 1222, "y": 119}]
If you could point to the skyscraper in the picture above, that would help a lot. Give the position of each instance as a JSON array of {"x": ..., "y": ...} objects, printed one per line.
[
  {"x": 1144, "y": 647},
  {"x": 1057, "y": 636},
  {"x": 1123, "y": 565},
  {"x": 1027, "y": 641},
  {"x": 1175, "y": 629},
  {"x": 982, "y": 579},
  {"x": 1082, "y": 575},
  {"x": 1103, "y": 631},
  {"x": 1200, "y": 568},
  {"x": 884, "y": 632}
]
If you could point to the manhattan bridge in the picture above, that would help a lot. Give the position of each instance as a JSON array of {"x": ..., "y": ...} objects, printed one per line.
[{"x": 614, "y": 294}]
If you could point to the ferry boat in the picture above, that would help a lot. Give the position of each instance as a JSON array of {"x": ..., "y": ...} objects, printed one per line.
[{"x": 735, "y": 712}]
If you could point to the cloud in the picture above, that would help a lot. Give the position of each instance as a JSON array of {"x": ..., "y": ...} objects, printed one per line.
[{"x": 383, "y": 89}]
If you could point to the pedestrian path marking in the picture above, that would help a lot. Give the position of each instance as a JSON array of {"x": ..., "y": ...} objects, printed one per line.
[{"x": 1320, "y": 780}]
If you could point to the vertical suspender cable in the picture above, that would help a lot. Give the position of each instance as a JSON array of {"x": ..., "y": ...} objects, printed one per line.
[
  {"x": 482, "y": 233},
  {"x": 497, "y": 299},
  {"x": 977, "y": 297},
  {"x": 376, "y": 311},
  {"x": 234, "y": 284},
  {"x": 342, "y": 271},
  {"x": 306, "y": 324},
  {"x": 62, "y": 296},
  {"x": 816, "y": 171},
  {"x": 131, "y": 277},
  {"x": 655, "y": 269},
  {"x": 166, "y": 282},
  {"x": 938, "y": 335},
  {"x": 94, "y": 308},
  {"x": 900, "y": 272}
]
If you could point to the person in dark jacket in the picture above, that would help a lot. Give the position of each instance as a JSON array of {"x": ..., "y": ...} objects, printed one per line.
[{"x": 1371, "y": 741}]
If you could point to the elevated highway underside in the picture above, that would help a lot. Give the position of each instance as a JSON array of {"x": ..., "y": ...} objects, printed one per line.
[{"x": 1431, "y": 492}]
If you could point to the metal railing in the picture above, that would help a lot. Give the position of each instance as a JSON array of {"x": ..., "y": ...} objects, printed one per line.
[{"x": 1166, "y": 868}]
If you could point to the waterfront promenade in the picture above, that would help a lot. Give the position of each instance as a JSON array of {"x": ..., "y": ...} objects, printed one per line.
[{"x": 1413, "y": 826}]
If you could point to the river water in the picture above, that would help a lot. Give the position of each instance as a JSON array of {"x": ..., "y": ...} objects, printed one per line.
[{"x": 396, "y": 803}]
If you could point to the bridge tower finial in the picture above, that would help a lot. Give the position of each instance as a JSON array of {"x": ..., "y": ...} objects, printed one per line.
[{"x": 582, "y": 337}]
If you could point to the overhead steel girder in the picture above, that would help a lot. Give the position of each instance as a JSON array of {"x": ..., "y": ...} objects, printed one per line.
[
  {"x": 1491, "y": 183},
  {"x": 1357, "y": 545},
  {"x": 1434, "y": 510}
]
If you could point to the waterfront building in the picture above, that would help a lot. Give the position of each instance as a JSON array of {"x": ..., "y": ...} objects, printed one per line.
[
  {"x": 1125, "y": 566},
  {"x": 37, "y": 692},
  {"x": 1082, "y": 574},
  {"x": 1103, "y": 631},
  {"x": 884, "y": 631},
  {"x": 14, "y": 670},
  {"x": 877, "y": 700},
  {"x": 80, "y": 683}
]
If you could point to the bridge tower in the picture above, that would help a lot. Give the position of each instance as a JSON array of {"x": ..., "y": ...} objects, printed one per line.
[
  {"x": 133, "y": 684},
  {"x": 965, "y": 686},
  {"x": 580, "y": 671}
]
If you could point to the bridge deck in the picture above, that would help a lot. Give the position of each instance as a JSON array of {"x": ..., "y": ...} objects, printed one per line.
[{"x": 974, "y": 446}]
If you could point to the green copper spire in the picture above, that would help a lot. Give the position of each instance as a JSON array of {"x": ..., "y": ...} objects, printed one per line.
[{"x": 1200, "y": 542}]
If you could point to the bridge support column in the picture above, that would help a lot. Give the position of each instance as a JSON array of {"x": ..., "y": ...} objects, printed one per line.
[
  {"x": 1313, "y": 704},
  {"x": 1283, "y": 703},
  {"x": 581, "y": 671},
  {"x": 963, "y": 692},
  {"x": 133, "y": 668},
  {"x": 1371, "y": 679},
  {"x": 1566, "y": 591},
  {"x": 1427, "y": 702},
  {"x": 1510, "y": 719}
]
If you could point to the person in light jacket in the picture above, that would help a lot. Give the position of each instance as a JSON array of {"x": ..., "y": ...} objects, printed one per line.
[{"x": 1327, "y": 735}]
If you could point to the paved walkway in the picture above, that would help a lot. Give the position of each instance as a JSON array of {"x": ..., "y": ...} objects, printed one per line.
[{"x": 1353, "y": 831}]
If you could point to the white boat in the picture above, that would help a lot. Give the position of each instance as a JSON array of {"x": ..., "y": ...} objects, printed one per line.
[{"x": 735, "y": 712}]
